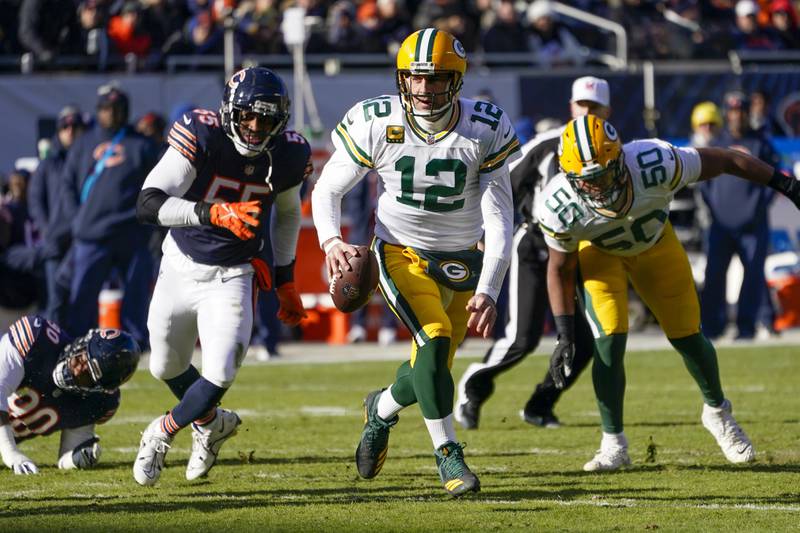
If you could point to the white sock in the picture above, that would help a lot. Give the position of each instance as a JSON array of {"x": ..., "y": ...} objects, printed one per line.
[
  {"x": 441, "y": 430},
  {"x": 614, "y": 440},
  {"x": 387, "y": 405}
]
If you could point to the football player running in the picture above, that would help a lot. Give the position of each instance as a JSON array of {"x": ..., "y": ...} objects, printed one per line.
[
  {"x": 50, "y": 382},
  {"x": 443, "y": 167},
  {"x": 214, "y": 188},
  {"x": 608, "y": 211}
]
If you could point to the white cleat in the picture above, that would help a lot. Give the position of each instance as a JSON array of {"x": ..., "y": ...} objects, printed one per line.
[
  {"x": 606, "y": 460},
  {"x": 152, "y": 450},
  {"x": 206, "y": 442},
  {"x": 731, "y": 438}
]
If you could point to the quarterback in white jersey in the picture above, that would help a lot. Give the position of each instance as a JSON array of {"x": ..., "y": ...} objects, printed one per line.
[
  {"x": 608, "y": 211},
  {"x": 444, "y": 183}
]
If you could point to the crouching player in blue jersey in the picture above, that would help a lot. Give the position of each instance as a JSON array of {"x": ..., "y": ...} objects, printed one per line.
[
  {"x": 214, "y": 187},
  {"x": 50, "y": 382}
]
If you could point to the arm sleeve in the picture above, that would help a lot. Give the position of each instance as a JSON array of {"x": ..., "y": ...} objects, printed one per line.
[
  {"x": 497, "y": 211},
  {"x": 285, "y": 227},
  {"x": 339, "y": 175},
  {"x": 160, "y": 201},
  {"x": 12, "y": 370},
  {"x": 69, "y": 181}
]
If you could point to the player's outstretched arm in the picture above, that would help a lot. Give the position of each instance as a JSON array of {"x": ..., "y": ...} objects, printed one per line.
[
  {"x": 12, "y": 457},
  {"x": 561, "y": 267},
  {"x": 716, "y": 161}
]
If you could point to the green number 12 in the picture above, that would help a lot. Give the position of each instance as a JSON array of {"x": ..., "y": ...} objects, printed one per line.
[{"x": 405, "y": 165}]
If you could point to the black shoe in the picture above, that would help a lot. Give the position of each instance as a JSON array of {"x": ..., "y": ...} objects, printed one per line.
[
  {"x": 468, "y": 414},
  {"x": 542, "y": 420}
]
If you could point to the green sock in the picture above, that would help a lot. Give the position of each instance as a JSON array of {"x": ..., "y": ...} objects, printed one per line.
[
  {"x": 700, "y": 359},
  {"x": 402, "y": 389},
  {"x": 433, "y": 383},
  {"x": 608, "y": 376}
]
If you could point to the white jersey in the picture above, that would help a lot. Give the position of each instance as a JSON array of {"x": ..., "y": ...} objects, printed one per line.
[
  {"x": 430, "y": 186},
  {"x": 657, "y": 170}
]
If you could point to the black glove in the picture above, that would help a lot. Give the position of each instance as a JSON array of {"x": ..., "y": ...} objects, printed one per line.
[
  {"x": 786, "y": 185},
  {"x": 564, "y": 354}
]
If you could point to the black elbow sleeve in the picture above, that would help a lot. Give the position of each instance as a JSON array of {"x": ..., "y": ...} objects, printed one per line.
[{"x": 148, "y": 204}]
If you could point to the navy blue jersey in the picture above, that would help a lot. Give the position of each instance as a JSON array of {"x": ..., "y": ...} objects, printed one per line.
[
  {"x": 735, "y": 203},
  {"x": 224, "y": 175},
  {"x": 104, "y": 207},
  {"x": 39, "y": 407}
]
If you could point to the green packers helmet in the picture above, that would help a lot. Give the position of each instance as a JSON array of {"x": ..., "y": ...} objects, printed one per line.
[
  {"x": 430, "y": 52},
  {"x": 590, "y": 154}
]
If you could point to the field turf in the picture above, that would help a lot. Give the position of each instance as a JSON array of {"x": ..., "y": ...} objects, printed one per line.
[{"x": 291, "y": 466}]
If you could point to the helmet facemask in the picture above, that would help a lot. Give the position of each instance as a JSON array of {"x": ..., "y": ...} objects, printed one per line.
[
  {"x": 232, "y": 116},
  {"x": 407, "y": 97},
  {"x": 63, "y": 375},
  {"x": 601, "y": 187}
]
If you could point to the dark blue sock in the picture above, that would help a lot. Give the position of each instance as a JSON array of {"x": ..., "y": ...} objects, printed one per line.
[
  {"x": 181, "y": 383},
  {"x": 202, "y": 397}
]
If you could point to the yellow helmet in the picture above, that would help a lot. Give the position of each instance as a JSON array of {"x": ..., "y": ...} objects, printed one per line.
[
  {"x": 590, "y": 154},
  {"x": 706, "y": 113},
  {"x": 429, "y": 52}
]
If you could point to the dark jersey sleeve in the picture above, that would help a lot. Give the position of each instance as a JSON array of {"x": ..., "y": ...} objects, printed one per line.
[
  {"x": 193, "y": 133},
  {"x": 291, "y": 161}
]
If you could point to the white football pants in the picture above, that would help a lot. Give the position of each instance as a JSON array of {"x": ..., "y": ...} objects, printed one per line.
[{"x": 219, "y": 309}]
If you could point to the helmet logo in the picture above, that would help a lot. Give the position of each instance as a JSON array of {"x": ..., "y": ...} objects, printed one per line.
[
  {"x": 109, "y": 333},
  {"x": 458, "y": 48},
  {"x": 237, "y": 78},
  {"x": 611, "y": 133}
]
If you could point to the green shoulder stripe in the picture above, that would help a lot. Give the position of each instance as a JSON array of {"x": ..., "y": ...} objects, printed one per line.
[
  {"x": 676, "y": 179},
  {"x": 554, "y": 234},
  {"x": 355, "y": 152},
  {"x": 496, "y": 160}
]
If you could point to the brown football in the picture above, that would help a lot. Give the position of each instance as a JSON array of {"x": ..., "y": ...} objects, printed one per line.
[{"x": 355, "y": 288}]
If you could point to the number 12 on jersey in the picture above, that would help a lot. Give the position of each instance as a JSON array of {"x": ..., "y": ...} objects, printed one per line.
[{"x": 433, "y": 194}]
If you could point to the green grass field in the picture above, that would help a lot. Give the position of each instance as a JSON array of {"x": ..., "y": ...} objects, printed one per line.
[{"x": 291, "y": 467}]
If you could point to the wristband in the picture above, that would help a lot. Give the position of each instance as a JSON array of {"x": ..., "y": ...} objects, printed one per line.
[
  {"x": 203, "y": 212},
  {"x": 284, "y": 274},
  {"x": 565, "y": 326}
]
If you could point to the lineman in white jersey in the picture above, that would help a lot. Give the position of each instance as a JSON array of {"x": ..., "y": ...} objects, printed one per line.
[
  {"x": 609, "y": 211},
  {"x": 444, "y": 182}
]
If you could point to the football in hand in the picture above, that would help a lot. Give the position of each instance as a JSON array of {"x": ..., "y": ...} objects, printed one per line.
[{"x": 355, "y": 287}]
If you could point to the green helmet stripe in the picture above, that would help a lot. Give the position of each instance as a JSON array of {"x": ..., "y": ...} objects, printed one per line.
[
  {"x": 592, "y": 154},
  {"x": 429, "y": 55},
  {"x": 578, "y": 143},
  {"x": 419, "y": 45}
]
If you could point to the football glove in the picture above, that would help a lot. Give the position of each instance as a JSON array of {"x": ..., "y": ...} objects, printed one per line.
[
  {"x": 84, "y": 455},
  {"x": 237, "y": 217},
  {"x": 261, "y": 271},
  {"x": 564, "y": 354},
  {"x": 561, "y": 362},
  {"x": 291, "y": 310},
  {"x": 21, "y": 464}
]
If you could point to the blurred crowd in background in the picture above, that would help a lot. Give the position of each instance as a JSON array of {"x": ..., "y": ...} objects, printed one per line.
[{"x": 148, "y": 31}]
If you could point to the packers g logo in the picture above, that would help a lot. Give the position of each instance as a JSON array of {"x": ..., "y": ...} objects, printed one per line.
[
  {"x": 455, "y": 270},
  {"x": 611, "y": 133},
  {"x": 458, "y": 48}
]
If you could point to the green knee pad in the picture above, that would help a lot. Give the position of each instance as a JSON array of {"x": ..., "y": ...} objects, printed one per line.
[
  {"x": 433, "y": 383},
  {"x": 608, "y": 376},
  {"x": 700, "y": 359}
]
